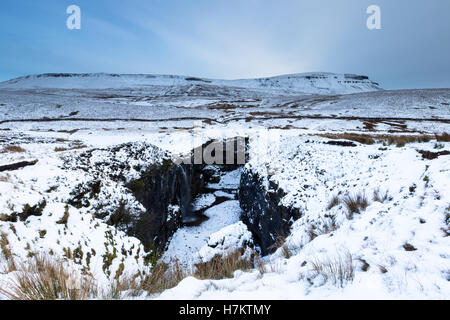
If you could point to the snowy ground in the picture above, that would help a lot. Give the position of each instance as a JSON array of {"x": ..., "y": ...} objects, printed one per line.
[
  {"x": 414, "y": 212},
  {"x": 55, "y": 126},
  {"x": 188, "y": 241}
]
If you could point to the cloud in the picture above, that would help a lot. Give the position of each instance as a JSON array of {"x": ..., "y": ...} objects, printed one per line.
[{"x": 231, "y": 39}]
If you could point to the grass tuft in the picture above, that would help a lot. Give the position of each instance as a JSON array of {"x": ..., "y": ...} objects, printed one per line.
[
  {"x": 163, "y": 277},
  {"x": 355, "y": 204},
  {"x": 280, "y": 243},
  {"x": 44, "y": 278},
  {"x": 334, "y": 201},
  {"x": 339, "y": 270},
  {"x": 13, "y": 149},
  {"x": 7, "y": 253},
  {"x": 65, "y": 218},
  {"x": 221, "y": 267},
  {"x": 380, "y": 197},
  {"x": 444, "y": 137}
]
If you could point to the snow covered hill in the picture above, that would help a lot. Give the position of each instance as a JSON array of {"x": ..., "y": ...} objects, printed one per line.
[{"x": 319, "y": 82}]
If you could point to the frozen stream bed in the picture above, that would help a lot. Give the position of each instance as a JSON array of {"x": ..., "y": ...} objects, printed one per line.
[{"x": 187, "y": 242}]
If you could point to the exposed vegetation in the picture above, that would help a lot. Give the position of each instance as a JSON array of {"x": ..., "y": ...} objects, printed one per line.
[
  {"x": 221, "y": 267},
  {"x": 163, "y": 277},
  {"x": 334, "y": 201},
  {"x": 339, "y": 270},
  {"x": 13, "y": 149},
  {"x": 444, "y": 137},
  {"x": 378, "y": 196},
  {"x": 35, "y": 210},
  {"x": 409, "y": 247},
  {"x": 65, "y": 218},
  {"x": 121, "y": 215},
  {"x": 7, "y": 253},
  {"x": 281, "y": 244},
  {"x": 355, "y": 204},
  {"x": 397, "y": 140},
  {"x": 84, "y": 192},
  {"x": 44, "y": 278}
]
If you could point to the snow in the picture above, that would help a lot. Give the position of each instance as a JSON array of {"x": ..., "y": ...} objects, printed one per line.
[
  {"x": 220, "y": 193},
  {"x": 187, "y": 242},
  {"x": 203, "y": 201},
  {"x": 230, "y": 180},
  {"x": 225, "y": 240},
  {"x": 376, "y": 236},
  {"x": 319, "y": 82},
  {"x": 283, "y": 117},
  {"x": 52, "y": 179}
]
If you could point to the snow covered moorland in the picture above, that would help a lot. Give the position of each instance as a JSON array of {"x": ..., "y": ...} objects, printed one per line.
[{"x": 343, "y": 192}]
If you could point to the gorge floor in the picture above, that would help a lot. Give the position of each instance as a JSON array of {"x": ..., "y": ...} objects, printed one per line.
[{"x": 217, "y": 206}]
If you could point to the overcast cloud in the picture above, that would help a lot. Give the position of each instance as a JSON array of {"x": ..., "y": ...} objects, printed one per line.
[{"x": 230, "y": 39}]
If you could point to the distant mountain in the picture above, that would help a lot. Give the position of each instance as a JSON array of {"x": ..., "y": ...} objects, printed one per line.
[{"x": 318, "y": 83}]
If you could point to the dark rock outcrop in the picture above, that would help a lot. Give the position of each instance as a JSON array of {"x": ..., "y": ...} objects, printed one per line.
[
  {"x": 262, "y": 212},
  {"x": 17, "y": 165},
  {"x": 341, "y": 143},
  {"x": 429, "y": 155},
  {"x": 165, "y": 191}
]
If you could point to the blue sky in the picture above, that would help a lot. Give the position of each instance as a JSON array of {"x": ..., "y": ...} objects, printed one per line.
[{"x": 230, "y": 39}]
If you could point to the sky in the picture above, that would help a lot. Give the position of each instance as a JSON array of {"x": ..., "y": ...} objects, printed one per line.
[{"x": 230, "y": 39}]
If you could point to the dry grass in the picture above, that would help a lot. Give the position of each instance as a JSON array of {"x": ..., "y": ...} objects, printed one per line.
[
  {"x": 312, "y": 232},
  {"x": 280, "y": 243},
  {"x": 355, "y": 204},
  {"x": 259, "y": 264},
  {"x": 125, "y": 286},
  {"x": 72, "y": 147},
  {"x": 65, "y": 218},
  {"x": 370, "y": 125},
  {"x": 397, "y": 140},
  {"x": 13, "y": 149},
  {"x": 223, "y": 106},
  {"x": 162, "y": 277},
  {"x": 334, "y": 201},
  {"x": 7, "y": 253},
  {"x": 401, "y": 141},
  {"x": 221, "y": 267},
  {"x": 44, "y": 278},
  {"x": 445, "y": 137},
  {"x": 339, "y": 270},
  {"x": 69, "y": 131},
  {"x": 328, "y": 225},
  {"x": 380, "y": 197}
]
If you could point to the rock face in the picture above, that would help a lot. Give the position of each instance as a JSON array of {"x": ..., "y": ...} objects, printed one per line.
[
  {"x": 168, "y": 191},
  {"x": 165, "y": 191},
  {"x": 17, "y": 165},
  {"x": 263, "y": 215}
]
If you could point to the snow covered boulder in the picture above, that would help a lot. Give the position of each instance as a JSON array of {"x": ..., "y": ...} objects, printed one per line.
[{"x": 230, "y": 238}]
